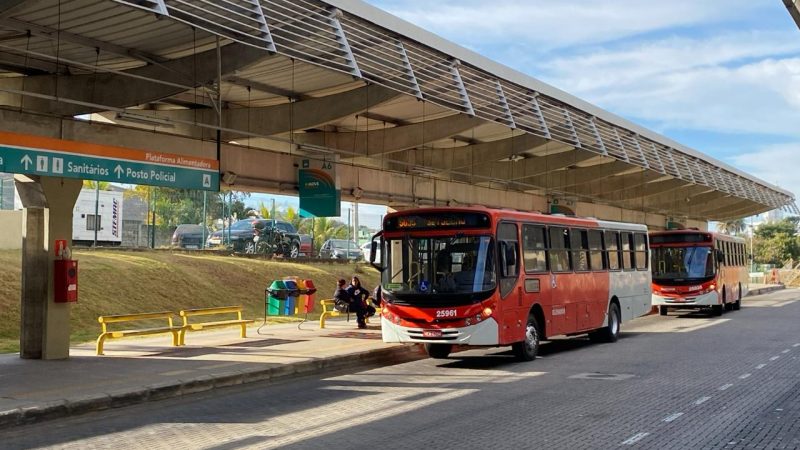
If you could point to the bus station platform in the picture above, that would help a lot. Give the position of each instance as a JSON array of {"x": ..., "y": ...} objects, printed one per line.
[
  {"x": 135, "y": 370},
  {"x": 140, "y": 369}
]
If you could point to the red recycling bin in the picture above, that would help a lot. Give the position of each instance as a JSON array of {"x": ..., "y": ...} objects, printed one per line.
[{"x": 308, "y": 296}]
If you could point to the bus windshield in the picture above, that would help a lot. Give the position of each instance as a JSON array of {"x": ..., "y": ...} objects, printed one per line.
[
  {"x": 682, "y": 264},
  {"x": 439, "y": 265}
]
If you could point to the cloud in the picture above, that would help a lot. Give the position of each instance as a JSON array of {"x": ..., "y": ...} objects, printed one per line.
[
  {"x": 773, "y": 164},
  {"x": 553, "y": 24}
]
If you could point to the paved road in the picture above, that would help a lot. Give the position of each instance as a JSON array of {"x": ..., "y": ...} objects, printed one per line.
[{"x": 683, "y": 381}]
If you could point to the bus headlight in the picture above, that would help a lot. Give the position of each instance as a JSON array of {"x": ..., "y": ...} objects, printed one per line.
[{"x": 487, "y": 312}]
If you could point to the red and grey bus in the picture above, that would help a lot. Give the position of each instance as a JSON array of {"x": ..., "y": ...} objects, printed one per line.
[
  {"x": 487, "y": 277},
  {"x": 698, "y": 269}
]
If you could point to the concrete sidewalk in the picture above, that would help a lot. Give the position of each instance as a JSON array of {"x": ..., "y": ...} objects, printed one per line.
[{"x": 135, "y": 370}]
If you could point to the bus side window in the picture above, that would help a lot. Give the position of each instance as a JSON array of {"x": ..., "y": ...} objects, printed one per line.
[
  {"x": 640, "y": 247},
  {"x": 533, "y": 248},
  {"x": 559, "y": 253},
  {"x": 612, "y": 249},
  {"x": 627, "y": 250},
  {"x": 579, "y": 243},
  {"x": 508, "y": 257},
  {"x": 596, "y": 260}
]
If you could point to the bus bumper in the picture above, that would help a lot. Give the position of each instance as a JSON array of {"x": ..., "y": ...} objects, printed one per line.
[
  {"x": 707, "y": 299},
  {"x": 486, "y": 332}
]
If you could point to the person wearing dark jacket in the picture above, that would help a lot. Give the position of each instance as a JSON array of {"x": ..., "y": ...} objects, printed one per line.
[
  {"x": 341, "y": 298},
  {"x": 359, "y": 304}
]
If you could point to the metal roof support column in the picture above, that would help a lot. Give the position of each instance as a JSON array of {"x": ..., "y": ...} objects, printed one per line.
[
  {"x": 538, "y": 111},
  {"x": 409, "y": 70},
  {"x": 462, "y": 90},
  {"x": 156, "y": 6},
  {"x": 571, "y": 126},
  {"x": 262, "y": 21},
  {"x": 657, "y": 157},
  {"x": 341, "y": 38},
  {"x": 597, "y": 136},
  {"x": 501, "y": 96},
  {"x": 621, "y": 145},
  {"x": 635, "y": 139}
]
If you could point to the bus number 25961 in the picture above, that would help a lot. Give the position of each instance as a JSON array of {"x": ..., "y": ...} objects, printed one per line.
[{"x": 442, "y": 313}]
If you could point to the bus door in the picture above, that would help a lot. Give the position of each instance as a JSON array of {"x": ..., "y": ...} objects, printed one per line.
[
  {"x": 564, "y": 292},
  {"x": 512, "y": 304}
]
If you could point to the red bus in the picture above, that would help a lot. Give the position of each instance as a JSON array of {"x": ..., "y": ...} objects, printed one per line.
[
  {"x": 698, "y": 269},
  {"x": 488, "y": 277}
]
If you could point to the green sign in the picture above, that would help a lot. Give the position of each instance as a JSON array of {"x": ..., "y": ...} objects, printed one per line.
[
  {"x": 116, "y": 164},
  {"x": 317, "y": 185}
]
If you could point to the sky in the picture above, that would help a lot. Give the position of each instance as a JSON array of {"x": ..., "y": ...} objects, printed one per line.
[{"x": 720, "y": 76}]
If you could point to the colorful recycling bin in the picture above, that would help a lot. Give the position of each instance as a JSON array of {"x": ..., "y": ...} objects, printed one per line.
[
  {"x": 277, "y": 295},
  {"x": 292, "y": 291},
  {"x": 307, "y": 296}
]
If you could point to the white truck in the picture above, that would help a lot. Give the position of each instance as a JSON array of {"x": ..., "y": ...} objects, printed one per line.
[{"x": 109, "y": 212}]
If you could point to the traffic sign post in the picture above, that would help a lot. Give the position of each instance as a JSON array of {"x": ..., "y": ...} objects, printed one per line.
[{"x": 72, "y": 159}]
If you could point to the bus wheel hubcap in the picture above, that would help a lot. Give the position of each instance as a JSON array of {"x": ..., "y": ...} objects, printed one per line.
[{"x": 530, "y": 337}]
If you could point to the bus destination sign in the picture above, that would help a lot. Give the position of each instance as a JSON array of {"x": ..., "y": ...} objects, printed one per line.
[{"x": 437, "y": 221}]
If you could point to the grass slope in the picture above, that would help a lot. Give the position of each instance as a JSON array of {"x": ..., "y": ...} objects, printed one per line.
[{"x": 120, "y": 282}]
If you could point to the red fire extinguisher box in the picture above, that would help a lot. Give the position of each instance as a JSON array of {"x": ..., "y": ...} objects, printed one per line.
[{"x": 65, "y": 281}]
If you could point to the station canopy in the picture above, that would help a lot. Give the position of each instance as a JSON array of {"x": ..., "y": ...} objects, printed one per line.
[{"x": 342, "y": 78}]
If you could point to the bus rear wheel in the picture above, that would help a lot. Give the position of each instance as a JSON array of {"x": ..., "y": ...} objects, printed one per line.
[
  {"x": 737, "y": 305},
  {"x": 438, "y": 351},
  {"x": 527, "y": 349},
  {"x": 610, "y": 332}
]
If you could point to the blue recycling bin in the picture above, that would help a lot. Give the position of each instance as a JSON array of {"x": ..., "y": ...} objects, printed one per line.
[{"x": 292, "y": 291}]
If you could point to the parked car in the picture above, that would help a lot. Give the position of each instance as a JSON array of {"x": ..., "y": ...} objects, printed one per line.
[
  {"x": 365, "y": 249},
  {"x": 243, "y": 231},
  {"x": 214, "y": 239},
  {"x": 338, "y": 249},
  {"x": 188, "y": 236},
  {"x": 306, "y": 247}
]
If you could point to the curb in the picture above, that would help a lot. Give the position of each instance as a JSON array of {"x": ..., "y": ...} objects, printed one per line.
[
  {"x": 765, "y": 290},
  {"x": 118, "y": 399}
]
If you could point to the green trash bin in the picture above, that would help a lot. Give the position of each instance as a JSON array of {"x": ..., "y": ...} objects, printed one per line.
[{"x": 276, "y": 298}]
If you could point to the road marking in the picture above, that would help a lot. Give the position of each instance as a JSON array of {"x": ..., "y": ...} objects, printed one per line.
[
  {"x": 634, "y": 439},
  {"x": 701, "y": 400},
  {"x": 796, "y": 345},
  {"x": 742, "y": 377},
  {"x": 761, "y": 366},
  {"x": 774, "y": 358},
  {"x": 218, "y": 366},
  {"x": 176, "y": 372},
  {"x": 787, "y": 350},
  {"x": 725, "y": 386},
  {"x": 672, "y": 417}
]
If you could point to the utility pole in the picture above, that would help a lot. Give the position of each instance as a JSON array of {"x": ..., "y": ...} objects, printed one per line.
[
  {"x": 96, "y": 211},
  {"x": 203, "y": 244}
]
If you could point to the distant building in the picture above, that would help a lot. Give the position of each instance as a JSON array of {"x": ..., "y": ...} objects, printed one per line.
[{"x": 6, "y": 191}]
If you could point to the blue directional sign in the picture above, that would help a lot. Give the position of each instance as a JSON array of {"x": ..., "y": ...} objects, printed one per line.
[{"x": 60, "y": 158}]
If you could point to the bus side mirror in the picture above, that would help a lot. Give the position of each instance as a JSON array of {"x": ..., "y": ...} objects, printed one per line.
[{"x": 377, "y": 240}]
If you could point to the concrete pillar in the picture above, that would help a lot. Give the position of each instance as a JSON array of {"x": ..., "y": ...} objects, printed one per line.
[
  {"x": 33, "y": 291},
  {"x": 48, "y": 204}
]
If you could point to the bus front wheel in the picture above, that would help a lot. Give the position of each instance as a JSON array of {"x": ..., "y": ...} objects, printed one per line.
[
  {"x": 610, "y": 332},
  {"x": 438, "y": 351},
  {"x": 527, "y": 349}
]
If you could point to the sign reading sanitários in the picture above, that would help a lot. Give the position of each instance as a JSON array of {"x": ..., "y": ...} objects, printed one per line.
[{"x": 37, "y": 155}]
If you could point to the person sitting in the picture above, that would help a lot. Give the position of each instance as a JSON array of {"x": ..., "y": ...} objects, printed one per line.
[
  {"x": 359, "y": 303},
  {"x": 342, "y": 298}
]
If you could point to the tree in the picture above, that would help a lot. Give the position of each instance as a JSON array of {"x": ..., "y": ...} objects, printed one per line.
[
  {"x": 90, "y": 184},
  {"x": 777, "y": 242},
  {"x": 326, "y": 228}
]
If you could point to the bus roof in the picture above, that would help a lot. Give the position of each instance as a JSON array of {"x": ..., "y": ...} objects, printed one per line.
[{"x": 532, "y": 216}]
